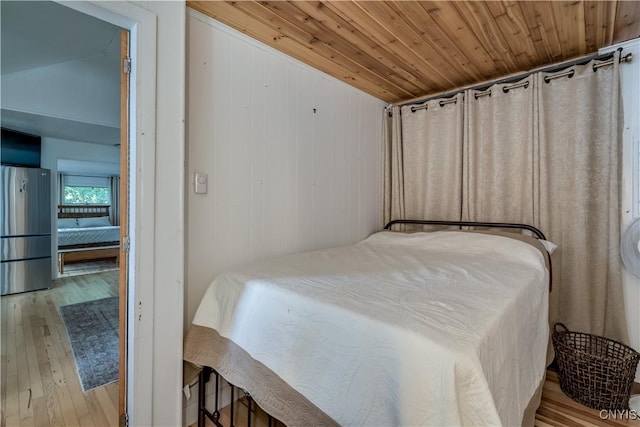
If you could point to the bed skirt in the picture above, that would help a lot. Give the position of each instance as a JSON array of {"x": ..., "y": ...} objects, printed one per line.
[{"x": 205, "y": 347}]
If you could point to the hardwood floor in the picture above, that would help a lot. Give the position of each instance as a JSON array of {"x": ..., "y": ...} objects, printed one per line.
[
  {"x": 39, "y": 383},
  {"x": 558, "y": 410},
  {"x": 80, "y": 268}
]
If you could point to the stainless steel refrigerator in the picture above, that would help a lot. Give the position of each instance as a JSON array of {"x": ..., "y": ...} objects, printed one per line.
[{"x": 25, "y": 249}]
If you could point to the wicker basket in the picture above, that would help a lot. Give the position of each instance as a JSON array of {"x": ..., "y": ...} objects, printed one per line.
[{"x": 595, "y": 371}]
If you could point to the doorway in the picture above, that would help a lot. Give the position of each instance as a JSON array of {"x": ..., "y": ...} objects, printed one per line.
[
  {"x": 43, "y": 384},
  {"x": 157, "y": 209}
]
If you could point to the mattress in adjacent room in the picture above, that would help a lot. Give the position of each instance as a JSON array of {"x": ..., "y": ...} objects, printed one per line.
[{"x": 89, "y": 235}]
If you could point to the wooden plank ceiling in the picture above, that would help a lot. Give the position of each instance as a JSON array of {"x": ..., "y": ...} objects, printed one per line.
[{"x": 401, "y": 50}]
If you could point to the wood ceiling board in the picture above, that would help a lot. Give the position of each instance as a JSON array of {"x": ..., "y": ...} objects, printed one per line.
[
  {"x": 325, "y": 18},
  {"x": 442, "y": 72},
  {"x": 508, "y": 16},
  {"x": 390, "y": 49},
  {"x": 421, "y": 21},
  {"x": 542, "y": 26},
  {"x": 626, "y": 26},
  {"x": 514, "y": 9},
  {"x": 371, "y": 29},
  {"x": 528, "y": 14},
  {"x": 447, "y": 18},
  {"x": 346, "y": 56},
  {"x": 549, "y": 29},
  {"x": 289, "y": 14},
  {"x": 235, "y": 18},
  {"x": 571, "y": 26},
  {"x": 477, "y": 16},
  {"x": 400, "y": 50},
  {"x": 598, "y": 17}
]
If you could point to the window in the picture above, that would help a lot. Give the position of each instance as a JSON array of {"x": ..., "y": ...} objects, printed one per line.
[
  {"x": 86, "y": 190},
  {"x": 86, "y": 195}
]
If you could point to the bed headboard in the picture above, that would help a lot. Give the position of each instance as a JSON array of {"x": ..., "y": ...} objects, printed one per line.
[
  {"x": 537, "y": 233},
  {"x": 528, "y": 227},
  {"x": 83, "y": 211}
]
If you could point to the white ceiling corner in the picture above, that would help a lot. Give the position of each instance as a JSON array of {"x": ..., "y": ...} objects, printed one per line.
[{"x": 38, "y": 34}]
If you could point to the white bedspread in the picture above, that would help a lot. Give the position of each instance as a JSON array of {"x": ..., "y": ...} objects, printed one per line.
[
  {"x": 442, "y": 328},
  {"x": 79, "y": 236}
]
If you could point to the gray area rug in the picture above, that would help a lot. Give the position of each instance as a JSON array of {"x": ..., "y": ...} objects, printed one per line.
[{"x": 92, "y": 327}]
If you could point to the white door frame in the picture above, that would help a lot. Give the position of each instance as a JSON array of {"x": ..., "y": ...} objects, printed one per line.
[{"x": 142, "y": 123}]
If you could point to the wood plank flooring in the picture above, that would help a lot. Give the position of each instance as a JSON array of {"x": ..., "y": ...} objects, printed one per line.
[
  {"x": 80, "y": 268},
  {"x": 558, "y": 410},
  {"x": 39, "y": 382}
]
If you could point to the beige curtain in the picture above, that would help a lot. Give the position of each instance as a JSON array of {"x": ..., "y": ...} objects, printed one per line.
[
  {"x": 425, "y": 146},
  {"x": 547, "y": 154},
  {"x": 580, "y": 152},
  {"x": 500, "y": 160}
]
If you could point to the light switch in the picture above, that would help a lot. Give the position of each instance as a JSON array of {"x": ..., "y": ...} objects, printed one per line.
[{"x": 200, "y": 183}]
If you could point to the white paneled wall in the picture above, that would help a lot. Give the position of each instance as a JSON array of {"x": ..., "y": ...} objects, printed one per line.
[{"x": 293, "y": 156}]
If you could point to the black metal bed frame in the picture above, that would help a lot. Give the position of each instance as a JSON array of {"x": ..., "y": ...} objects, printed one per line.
[
  {"x": 203, "y": 413},
  {"x": 528, "y": 227},
  {"x": 206, "y": 372}
]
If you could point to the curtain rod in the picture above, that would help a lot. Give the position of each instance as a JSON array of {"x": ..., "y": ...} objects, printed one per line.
[
  {"x": 87, "y": 176},
  {"x": 608, "y": 57}
]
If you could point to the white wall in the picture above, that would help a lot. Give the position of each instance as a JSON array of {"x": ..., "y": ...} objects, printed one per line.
[
  {"x": 68, "y": 90},
  {"x": 54, "y": 149},
  {"x": 630, "y": 90},
  {"x": 294, "y": 157}
]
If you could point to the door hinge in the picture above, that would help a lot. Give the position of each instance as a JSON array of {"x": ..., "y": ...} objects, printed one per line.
[
  {"x": 124, "y": 420},
  {"x": 126, "y": 65},
  {"x": 126, "y": 243}
]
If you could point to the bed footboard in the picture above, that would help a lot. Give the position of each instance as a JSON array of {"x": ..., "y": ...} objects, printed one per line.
[
  {"x": 84, "y": 254},
  {"x": 234, "y": 407}
]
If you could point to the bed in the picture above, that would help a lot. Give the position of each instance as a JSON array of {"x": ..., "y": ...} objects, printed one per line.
[
  {"x": 85, "y": 234},
  {"x": 424, "y": 328}
]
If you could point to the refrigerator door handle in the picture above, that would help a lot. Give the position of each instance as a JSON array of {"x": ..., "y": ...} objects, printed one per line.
[{"x": 23, "y": 187}]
